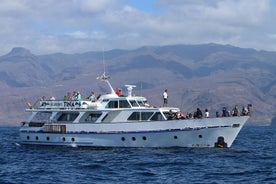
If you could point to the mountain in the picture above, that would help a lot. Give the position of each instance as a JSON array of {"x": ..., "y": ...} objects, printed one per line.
[{"x": 206, "y": 76}]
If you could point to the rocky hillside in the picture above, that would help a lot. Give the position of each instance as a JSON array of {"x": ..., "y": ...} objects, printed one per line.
[{"x": 206, "y": 76}]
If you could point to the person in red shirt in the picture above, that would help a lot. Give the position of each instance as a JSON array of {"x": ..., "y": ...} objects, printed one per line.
[{"x": 118, "y": 92}]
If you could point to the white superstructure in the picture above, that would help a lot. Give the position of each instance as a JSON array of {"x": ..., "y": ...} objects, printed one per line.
[{"x": 123, "y": 121}]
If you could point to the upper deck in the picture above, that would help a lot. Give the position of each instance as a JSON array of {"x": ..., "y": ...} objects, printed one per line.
[{"x": 105, "y": 102}]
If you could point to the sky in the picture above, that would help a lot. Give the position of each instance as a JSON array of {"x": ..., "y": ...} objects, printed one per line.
[{"x": 77, "y": 26}]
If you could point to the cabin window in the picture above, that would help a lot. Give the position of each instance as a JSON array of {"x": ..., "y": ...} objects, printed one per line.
[
  {"x": 141, "y": 103},
  {"x": 68, "y": 116},
  {"x": 112, "y": 104},
  {"x": 124, "y": 104},
  {"x": 42, "y": 117},
  {"x": 140, "y": 116},
  {"x": 166, "y": 114},
  {"x": 105, "y": 100},
  {"x": 118, "y": 104},
  {"x": 157, "y": 117},
  {"x": 92, "y": 117},
  {"x": 133, "y": 103}
]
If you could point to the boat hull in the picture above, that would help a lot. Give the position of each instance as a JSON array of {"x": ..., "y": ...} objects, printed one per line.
[{"x": 206, "y": 132}]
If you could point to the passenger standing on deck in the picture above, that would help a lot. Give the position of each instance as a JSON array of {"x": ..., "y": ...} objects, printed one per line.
[
  {"x": 165, "y": 98},
  {"x": 224, "y": 113},
  {"x": 67, "y": 96},
  {"x": 78, "y": 97},
  {"x": 244, "y": 111},
  {"x": 179, "y": 115},
  {"x": 236, "y": 111},
  {"x": 92, "y": 97},
  {"x": 207, "y": 114},
  {"x": 118, "y": 92},
  {"x": 74, "y": 97},
  {"x": 171, "y": 115},
  {"x": 198, "y": 113}
]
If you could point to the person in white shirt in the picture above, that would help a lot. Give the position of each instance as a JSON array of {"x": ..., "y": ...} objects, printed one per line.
[
  {"x": 207, "y": 114},
  {"x": 165, "y": 98}
]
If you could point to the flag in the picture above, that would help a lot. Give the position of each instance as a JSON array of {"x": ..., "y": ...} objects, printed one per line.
[{"x": 30, "y": 106}]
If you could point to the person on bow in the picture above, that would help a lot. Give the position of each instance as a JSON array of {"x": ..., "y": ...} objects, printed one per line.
[{"x": 165, "y": 98}]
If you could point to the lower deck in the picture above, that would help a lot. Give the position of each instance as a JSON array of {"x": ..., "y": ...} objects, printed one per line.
[{"x": 181, "y": 133}]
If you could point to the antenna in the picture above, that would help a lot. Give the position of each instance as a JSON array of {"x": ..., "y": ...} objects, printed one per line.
[
  {"x": 103, "y": 61},
  {"x": 141, "y": 88}
]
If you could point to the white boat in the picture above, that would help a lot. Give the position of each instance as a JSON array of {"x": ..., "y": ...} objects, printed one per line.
[{"x": 123, "y": 121}]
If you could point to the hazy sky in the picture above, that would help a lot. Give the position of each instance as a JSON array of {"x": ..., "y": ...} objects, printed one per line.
[{"x": 76, "y": 26}]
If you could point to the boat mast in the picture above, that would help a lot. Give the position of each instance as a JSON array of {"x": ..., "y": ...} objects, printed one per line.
[
  {"x": 108, "y": 83},
  {"x": 105, "y": 77}
]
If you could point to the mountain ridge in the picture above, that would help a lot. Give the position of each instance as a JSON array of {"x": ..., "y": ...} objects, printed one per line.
[{"x": 204, "y": 75}]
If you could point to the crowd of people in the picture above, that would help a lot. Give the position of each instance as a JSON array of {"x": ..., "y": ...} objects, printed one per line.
[
  {"x": 246, "y": 110},
  {"x": 76, "y": 95}
]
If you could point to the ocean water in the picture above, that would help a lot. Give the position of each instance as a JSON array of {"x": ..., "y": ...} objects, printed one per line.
[{"x": 251, "y": 159}]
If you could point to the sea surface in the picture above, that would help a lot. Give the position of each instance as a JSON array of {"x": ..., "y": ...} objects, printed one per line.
[{"x": 251, "y": 159}]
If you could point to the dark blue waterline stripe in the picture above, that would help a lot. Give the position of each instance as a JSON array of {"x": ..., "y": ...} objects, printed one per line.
[{"x": 128, "y": 132}]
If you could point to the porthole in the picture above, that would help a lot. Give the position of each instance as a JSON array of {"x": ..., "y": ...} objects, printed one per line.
[
  {"x": 175, "y": 137},
  {"x": 73, "y": 139},
  {"x": 63, "y": 139},
  {"x": 123, "y": 139},
  {"x": 200, "y": 136},
  {"x": 144, "y": 138},
  {"x": 48, "y": 138},
  {"x": 133, "y": 138},
  {"x": 28, "y": 137},
  {"x": 36, "y": 138}
]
